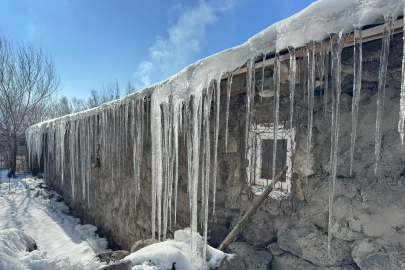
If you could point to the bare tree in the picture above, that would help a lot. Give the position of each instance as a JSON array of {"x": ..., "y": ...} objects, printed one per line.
[
  {"x": 130, "y": 89},
  {"x": 27, "y": 80},
  {"x": 108, "y": 92}
]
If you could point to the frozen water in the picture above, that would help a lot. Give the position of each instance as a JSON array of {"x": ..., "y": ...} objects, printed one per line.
[
  {"x": 356, "y": 89},
  {"x": 337, "y": 44},
  {"x": 382, "y": 73}
]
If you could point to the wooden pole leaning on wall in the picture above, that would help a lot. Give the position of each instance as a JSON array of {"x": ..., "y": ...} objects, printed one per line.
[{"x": 231, "y": 236}]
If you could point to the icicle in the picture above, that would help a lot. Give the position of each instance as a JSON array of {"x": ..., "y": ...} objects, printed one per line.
[
  {"x": 327, "y": 67},
  {"x": 228, "y": 96},
  {"x": 263, "y": 67},
  {"x": 177, "y": 121},
  {"x": 83, "y": 157},
  {"x": 311, "y": 88},
  {"x": 166, "y": 130},
  {"x": 291, "y": 75},
  {"x": 62, "y": 130},
  {"x": 337, "y": 45},
  {"x": 156, "y": 122},
  {"x": 195, "y": 137},
  {"x": 401, "y": 123},
  {"x": 356, "y": 89},
  {"x": 217, "y": 111},
  {"x": 72, "y": 149},
  {"x": 206, "y": 170},
  {"x": 276, "y": 107},
  {"x": 250, "y": 94},
  {"x": 382, "y": 72}
]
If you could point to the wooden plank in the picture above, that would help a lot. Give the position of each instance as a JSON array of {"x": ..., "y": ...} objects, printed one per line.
[
  {"x": 246, "y": 217},
  {"x": 367, "y": 36}
]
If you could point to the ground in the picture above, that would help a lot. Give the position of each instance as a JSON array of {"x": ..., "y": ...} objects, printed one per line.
[
  {"x": 63, "y": 243},
  {"x": 28, "y": 209}
]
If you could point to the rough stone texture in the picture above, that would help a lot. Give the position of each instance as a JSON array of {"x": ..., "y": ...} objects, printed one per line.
[
  {"x": 234, "y": 264},
  {"x": 368, "y": 208},
  {"x": 274, "y": 249},
  {"x": 121, "y": 265},
  {"x": 252, "y": 259},
  {"x": 143, "y": 243},
  {"x": 113, "y": 256},
  {"x": 288, "y": 261}
]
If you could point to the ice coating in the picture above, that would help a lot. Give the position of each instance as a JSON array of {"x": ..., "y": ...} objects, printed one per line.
[
  {"x": 337, "y": 45},
  {"x": 401, "y": 123},
  {"x": 311, "y": 89},
  {"x": 183, "y": 92},
  {"x": 382, "y": 73},
  {"x": 356, "y": 89}
]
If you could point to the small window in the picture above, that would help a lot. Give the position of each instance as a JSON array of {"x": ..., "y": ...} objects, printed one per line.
[{"x": 260, "y": 156}]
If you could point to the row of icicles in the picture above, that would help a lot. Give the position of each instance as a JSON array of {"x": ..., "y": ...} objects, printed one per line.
[{"x": 104, "y": 136}]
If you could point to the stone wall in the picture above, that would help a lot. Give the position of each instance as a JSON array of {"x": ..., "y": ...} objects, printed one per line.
[{"x": 369, "y": 209}]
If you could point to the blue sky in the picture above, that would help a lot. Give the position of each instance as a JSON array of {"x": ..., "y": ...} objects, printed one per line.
[{"x": 142, "y": 42}]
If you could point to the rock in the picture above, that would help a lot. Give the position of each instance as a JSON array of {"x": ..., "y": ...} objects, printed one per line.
[
  {"x": 59, "y": 199},
  {"x": 288, "y": 261},
  {"x": 370, "y": 255},
  {"x": 274, "y": 249},
  {"x": 121, "y": 265},
  {"x": 113, "y": 256},
  {"x": 259, "y": 236},
  {"x": 252, "y": 259},
  {"x": 50, "y": 196},
  {"x": 232, "y": 264},
  {"x": 288, "y": 242},
  {"x": 216, "y": 234},
  {"x": 143, "y": 243},
  {"x": 311, "y": 244},
  {"x": 31, "y": 245}
]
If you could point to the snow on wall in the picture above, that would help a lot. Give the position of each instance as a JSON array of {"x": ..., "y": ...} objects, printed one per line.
[{"x": 182, "y": 104}]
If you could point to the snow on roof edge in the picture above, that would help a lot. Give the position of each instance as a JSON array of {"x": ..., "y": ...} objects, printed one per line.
[{"x": 315, "y": 23}]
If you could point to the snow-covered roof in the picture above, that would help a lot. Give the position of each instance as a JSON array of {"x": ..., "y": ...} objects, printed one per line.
[{"x": 317, "y": 22}]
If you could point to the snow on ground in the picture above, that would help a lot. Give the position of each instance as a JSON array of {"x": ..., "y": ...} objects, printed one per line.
[
  {"x": 63, "y": 243},
  {"x": 161, "y": 256}
]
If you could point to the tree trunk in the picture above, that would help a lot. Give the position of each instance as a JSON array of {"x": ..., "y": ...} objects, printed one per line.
[{"x": 13, "y": 158}]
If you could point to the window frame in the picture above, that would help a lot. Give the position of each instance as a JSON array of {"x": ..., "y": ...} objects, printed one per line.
[{"x": 267, "y": 133}]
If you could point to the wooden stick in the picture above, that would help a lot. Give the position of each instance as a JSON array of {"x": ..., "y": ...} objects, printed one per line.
[{"x": 231, "y": 236}]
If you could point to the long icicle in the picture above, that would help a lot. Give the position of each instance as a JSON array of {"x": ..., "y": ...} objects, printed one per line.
[
  {"x": 228, "y": 97},
  {"x": 325, "y": 91},
  {"x": 337, "y": 45},
  {"x": 311, "y": 89},
  {"x": 276, "y": 107},
  {"x": 206, "y": 171},
  {"x": 382, "y": 72},
  {"x": 217, "y": 111},
  {"x": 263, "y": 68},
  {"x": 356, "y": 89},
  {"x": 401, "y": 123},
  {"x": 291, "y": 76}
]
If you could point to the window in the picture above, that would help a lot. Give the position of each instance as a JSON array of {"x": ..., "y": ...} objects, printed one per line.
[{"x": 260, "y": 156}]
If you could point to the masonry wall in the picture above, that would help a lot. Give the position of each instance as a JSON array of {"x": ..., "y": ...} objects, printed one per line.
[{"x": 369, "y": 209}]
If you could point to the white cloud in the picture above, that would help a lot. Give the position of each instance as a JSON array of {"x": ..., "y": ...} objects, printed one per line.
[{"x": 169, "y": 55}]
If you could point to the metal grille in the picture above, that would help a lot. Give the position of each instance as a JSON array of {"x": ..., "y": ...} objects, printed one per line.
[{"x": 260, "y": 156}]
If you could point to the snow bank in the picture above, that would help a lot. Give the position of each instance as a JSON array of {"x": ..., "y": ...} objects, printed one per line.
[
  {"x": 62, "y": 242},
  {"x": 161, "y": 256},
  {"x": 14, "y": 246}
]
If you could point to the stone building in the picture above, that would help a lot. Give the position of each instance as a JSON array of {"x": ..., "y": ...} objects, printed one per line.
[{"x": 97, "y": 159}]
